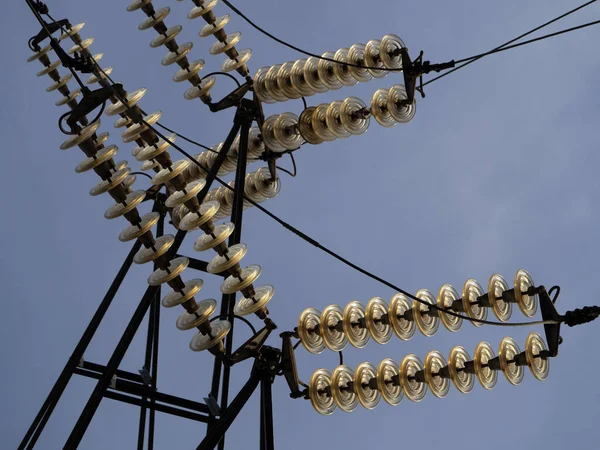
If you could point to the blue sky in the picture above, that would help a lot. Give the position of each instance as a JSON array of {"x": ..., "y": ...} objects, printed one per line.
[{"x": 497, "y": 171}]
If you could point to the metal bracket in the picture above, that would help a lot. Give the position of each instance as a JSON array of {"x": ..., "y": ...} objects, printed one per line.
[
  {"x": 231, "y": 99},
  {"x": 252, "y": 347},
  {"x": 414, "y": 70},
  {"x": 288, "y": 364},
  {"x": 90, "y": 101},
  {"x": 80, "y": 63},
  {"x": 549, "y": 312},
  {"x": 213, "y": 405},
  {"x": 113, "y": 382},
  {"x": 146, "y": 378},
  {"x": 46, "y": 32}
]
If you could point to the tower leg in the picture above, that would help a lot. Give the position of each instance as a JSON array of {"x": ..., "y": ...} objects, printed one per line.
[
  {"x": 104, "y": 382},
  {"x": 266, "y": 409},
  {"x": 36, "y": 428}
]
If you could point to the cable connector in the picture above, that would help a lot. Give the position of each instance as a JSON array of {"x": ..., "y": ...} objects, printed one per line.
[
  {"x": 90, "y": 101},
  {"x": 41, "y": 7},
  {"x": 46, "y": 32},
  {"x": 414, "y": 70},
  {"x": 580, "y": 316},
  {"x": 79, "y": 62}
]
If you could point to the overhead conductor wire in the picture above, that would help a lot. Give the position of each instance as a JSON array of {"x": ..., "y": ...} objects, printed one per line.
[
  {"x": 475, "y": 57},
  {"x": 304, "y": 236}
]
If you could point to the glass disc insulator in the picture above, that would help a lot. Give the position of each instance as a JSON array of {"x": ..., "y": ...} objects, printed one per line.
[
  {"x": 285, "y": 131},
  {"x": 344, "y": 397},
  {"x": 496, "y": 287},
  {"x": 265, "y": 185},
  {"x": 240, "y": 61},
  {"x": 372, "y": 59},
  {"x": 380, "y": 110},
  {"x": 135, "y": 231},
  {"x": 219, "y": 329},
  {"x": 218, "y": 24},
  {"x": 178, "y": 55},
  {"x": 284, "y": 81},
  {"x": 234, "y": 255},
  {"x": 161, "y": 245},
  {"x": 78, "y": 48},
  {"x": 471, "y": 291},
  {"x": 207, "y": 241},
  {"x": 311, "y": 75},
  {"x": 298, "y": 79},
  {"x": 539, "y": 365},
  {"x": 434, "y": 363},
  {"x": 176, "y": 298},
  {"x": 167, "y": 37},
  {"x": 268, "y": 134},
  {"x": 256, "y": 146},
  {"x": 306, "y": 126},
  {"x": 446, "y": 296},
  {"x": 308, "y": 330},
  {"x": 483, "y": 354},
  {"x": 319, "y": 122},
  {"x": 331, "y": 319},
  {"x": 341, "y": 69},
  {"x": 46, "y": 70},
  {"x": 271, "y": 84},
  {"x": 326, "y": 72},
  {"x": 527, "y": 303},
  {"x": 158, "y": 16},
  {"x": 399, "y": 305},
  {"x": 201, "y": 90},
  {"x": 401, "y": 111},
  {"x": 249, "y": 275},
  {"x": 376, "y": 309},
  {"x": 204, "y": 309},
  {"x": 356, "y": 56},
  {"x": 413, "y": 389},
  {"x": 388, "y": 383},
  {"x": 262, "y": 296},
  {"x": 179, "y": 197},
  {"x": 201, "y": 10},
  {"x": 428, "y": 324},
  {"x": 507, "y": 352},
  {"x": 389, "y": 51},
  {"x": 462, "y": 380},
  {"x": 259, "y": 86},
  {"x": 334, "y": 121},
  {"x": 319, "y": 392},
  {"x": 251, "y": 191},
  {"x": 160, "y": 276},
  {"x": 230, "y": 41},
  {"x": 367, "y": 396},
  {"x": 354, "y": 115},
  {"x": 132, "y": 99},
  {"x": 354, "y": 316}
]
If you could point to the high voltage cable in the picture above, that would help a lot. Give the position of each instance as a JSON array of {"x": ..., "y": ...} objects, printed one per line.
[
  {"x": 511, "y": 41},
  {"x": 306, "y": 237},
  {"x": 541, "y": 38},
  {"x": 475, "y": 57}
]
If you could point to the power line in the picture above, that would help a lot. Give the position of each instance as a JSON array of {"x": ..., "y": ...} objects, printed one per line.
[
  {"x": 475, "y": 57},
  {"x": 298, "y": 49},
  {"x": 511, "y": 41},
  {"x": 312, "y": 241},
  {"x": 541, "y": 38}
]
